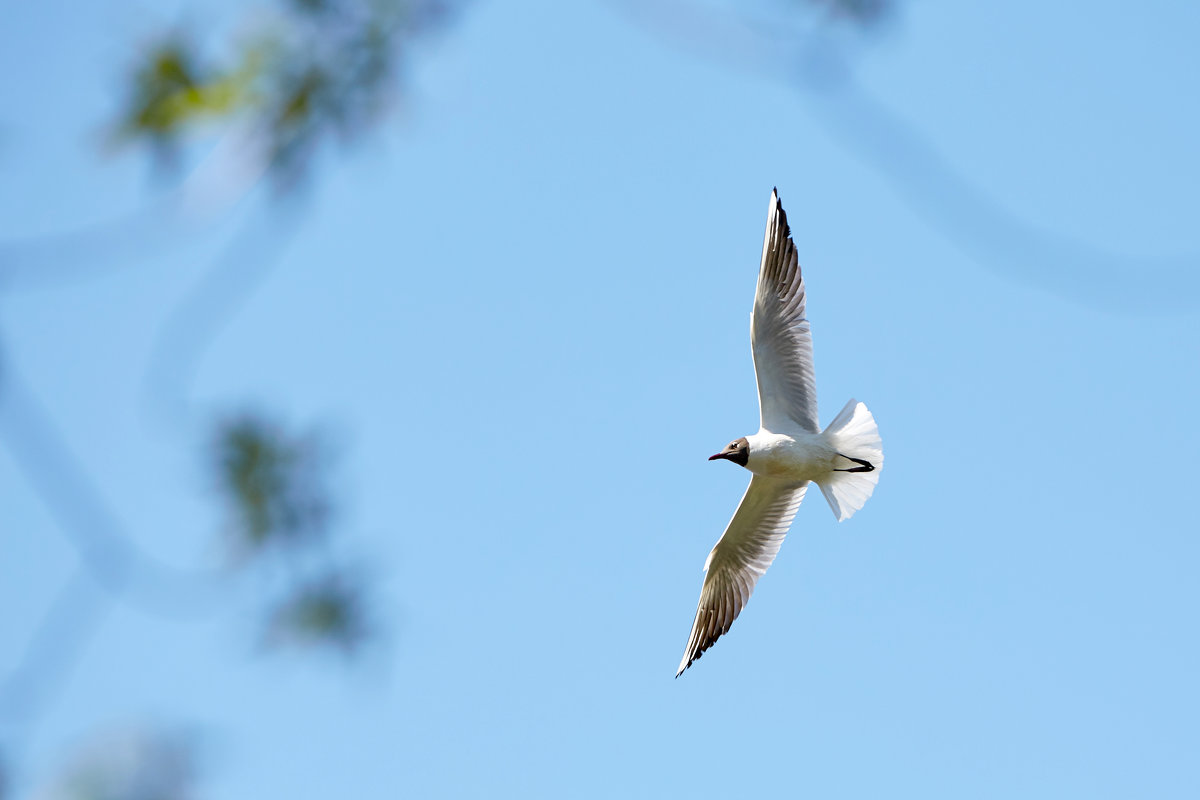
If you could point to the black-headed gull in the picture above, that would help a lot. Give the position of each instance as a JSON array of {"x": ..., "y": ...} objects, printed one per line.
[{"x": 789, "y": 450}]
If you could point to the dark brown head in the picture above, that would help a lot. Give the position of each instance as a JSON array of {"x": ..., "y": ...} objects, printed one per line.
[{"x": 737, "y": 451}]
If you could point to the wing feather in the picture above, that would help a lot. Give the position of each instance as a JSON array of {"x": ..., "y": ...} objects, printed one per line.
[
  {"x": 739, "y": 559},
  {"x": 780, "y": 334}
]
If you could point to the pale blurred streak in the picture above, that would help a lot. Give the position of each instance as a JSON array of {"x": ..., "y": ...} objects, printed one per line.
[{"x": 135, "y": 763}]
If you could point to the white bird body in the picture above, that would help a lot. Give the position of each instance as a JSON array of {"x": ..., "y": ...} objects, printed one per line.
[
  {"x": 790, "y": 449},
  {"x": 797, "y": 458}
]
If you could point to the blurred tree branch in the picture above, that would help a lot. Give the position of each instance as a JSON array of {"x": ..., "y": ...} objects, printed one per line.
[
  {"x": 272, "y": 484},
  {"x": 323, "y": 71},
  {"x": 141, "y": 763},
  {"x": 318, "y": 72},
  {"x": 196, "y": 320},
  {"x": 55, "y": 648},
  {"x": 811, "y": 56},
  {"x": 55, "y": 258},
  {"x": 85, "y": 519},
  {"x": 107, "y": 559}
]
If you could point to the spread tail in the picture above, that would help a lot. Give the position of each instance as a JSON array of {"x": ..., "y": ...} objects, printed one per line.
[{"x": 856, "y": 438}]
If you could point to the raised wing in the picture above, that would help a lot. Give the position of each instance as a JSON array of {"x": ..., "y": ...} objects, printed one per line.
[
  {"x": 780, "y": 335},
  {"x": 743, "y": 554}
]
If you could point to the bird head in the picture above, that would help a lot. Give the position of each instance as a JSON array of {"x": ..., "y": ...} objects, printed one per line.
[{"x": 737, "y": 451}]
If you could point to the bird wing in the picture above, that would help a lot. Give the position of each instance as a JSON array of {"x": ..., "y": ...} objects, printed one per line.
[
  {"x": 780, "y": 335},
  {"x": 743, "y": 554}
]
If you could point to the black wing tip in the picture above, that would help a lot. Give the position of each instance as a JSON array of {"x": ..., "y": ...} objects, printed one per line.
[
  {"x": 700, "y": 648},
  {"x": 691, "y": 656},
  {"x": 691, "y": 661},
  {"x": 783, "y": 223}
]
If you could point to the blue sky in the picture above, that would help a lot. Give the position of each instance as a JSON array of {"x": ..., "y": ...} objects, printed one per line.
[{"x": 523, "y": 305}]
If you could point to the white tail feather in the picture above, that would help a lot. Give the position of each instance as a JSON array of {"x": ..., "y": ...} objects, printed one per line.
[{"x": 852, "y": 433}]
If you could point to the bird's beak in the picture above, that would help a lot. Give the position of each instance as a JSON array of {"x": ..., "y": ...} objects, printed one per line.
[{"x": 718, "y": 455}]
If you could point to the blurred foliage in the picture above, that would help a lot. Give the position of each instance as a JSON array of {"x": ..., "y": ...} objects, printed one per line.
[
  {"x": 861, "y": 12},
  {"x": 318, "y": 70},
  {"x": 271, "y": 482},
  {"x": 307, "y": 75},
  {"x": 328, "y": 612},
  {"x": 139, "y": 764},
  {"x": 171, "y": 90}
]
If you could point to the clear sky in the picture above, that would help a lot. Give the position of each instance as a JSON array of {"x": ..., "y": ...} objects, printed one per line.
[{"x": 523, "y": 304}]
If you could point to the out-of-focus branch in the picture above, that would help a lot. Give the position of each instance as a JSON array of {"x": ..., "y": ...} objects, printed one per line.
[
  {"x": 272, "y": 483},
  {"x": 86, "y": 520},
  {"x": 199, "y": 318},
  {"x": 997, "y": 238},
  {"x": 142, "y": 762},
  {"x": 50, "y": 655},
  {"x": 221, "y": 180},
  {"x": 54, "y": 258},
  {"x": 109, "y": 567},
  {"x": 318, "y": 71},
  {"x": 325, "y": 73},
  {"x": 322, "y": 71},
  {"x": 950, "y": 201}
]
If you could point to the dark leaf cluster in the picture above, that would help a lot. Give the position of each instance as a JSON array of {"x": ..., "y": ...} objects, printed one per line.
[
  {"x": 328, "y": 611},
  {"x": 273, "y": 484},
  {"x": 864, "y": 13}
]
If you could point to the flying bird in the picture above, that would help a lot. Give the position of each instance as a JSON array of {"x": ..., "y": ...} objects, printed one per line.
[{"x": 789, "y": 451}]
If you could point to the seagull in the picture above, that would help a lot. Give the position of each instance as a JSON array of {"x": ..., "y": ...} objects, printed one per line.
[{"x": 789, "y": 451}]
